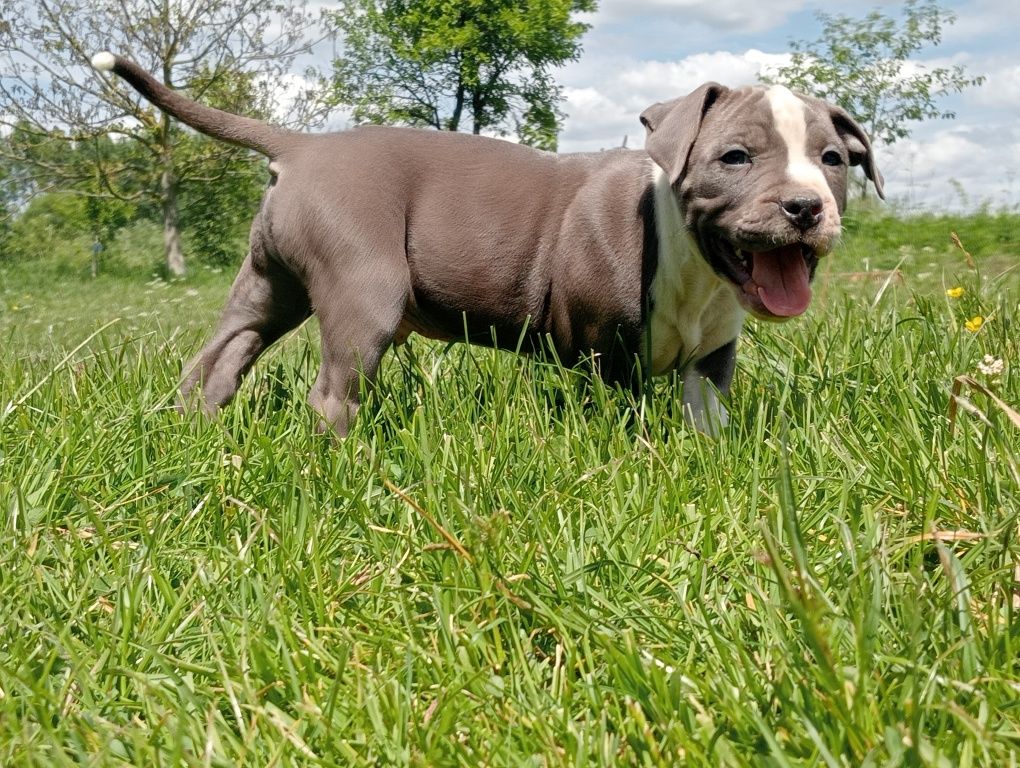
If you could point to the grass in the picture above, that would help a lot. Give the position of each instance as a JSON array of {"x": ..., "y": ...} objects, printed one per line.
[{"x": 503, "y": 567}]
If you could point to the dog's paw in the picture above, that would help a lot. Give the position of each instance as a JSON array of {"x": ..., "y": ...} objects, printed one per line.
[
  {"x": 703, "y": 409},
  {"x": 710, "y": 422}
]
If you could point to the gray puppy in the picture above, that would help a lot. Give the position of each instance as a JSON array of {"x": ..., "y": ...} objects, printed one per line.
[{"x": 649, "y": 260}]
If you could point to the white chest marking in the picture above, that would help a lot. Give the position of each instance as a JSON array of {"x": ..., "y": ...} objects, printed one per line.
[
  {"x": 694, "y": 311},
  {"x": 790, "y": 116}
]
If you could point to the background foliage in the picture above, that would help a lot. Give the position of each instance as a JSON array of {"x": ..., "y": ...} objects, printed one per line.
[
  {"x": 486, "y": 64},
  {"x": 74, "y": 129},
  {"x": 864, "y": 65}
]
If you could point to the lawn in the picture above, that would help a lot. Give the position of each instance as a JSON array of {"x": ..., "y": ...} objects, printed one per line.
[{"x": 506, "y": 564}]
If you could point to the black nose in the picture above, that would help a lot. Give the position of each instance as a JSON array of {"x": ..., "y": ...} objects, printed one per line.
[{"x": 805, "y": 211}]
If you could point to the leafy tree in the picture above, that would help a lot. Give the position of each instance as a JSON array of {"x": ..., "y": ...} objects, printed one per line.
[
  {"x": 485, "y": 64},
  {"x": 53, "y": 227},
  {"x": 207, "y": 47},
  {"x": 8, "y": 194},
  {"x": 51, "y": 193},
  {"x": 864, "y": 66},
  {"x": 223, "y": 185},
  {"x": 6, "y": 216}
]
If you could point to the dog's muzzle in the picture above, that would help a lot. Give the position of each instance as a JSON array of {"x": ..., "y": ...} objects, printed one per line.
[{"x": 772, "y": 282}]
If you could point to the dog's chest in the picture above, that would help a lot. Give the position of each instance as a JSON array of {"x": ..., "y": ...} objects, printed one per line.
[
  {"x": 692, "y": 314},
  {"x": 692, "y": 311}
]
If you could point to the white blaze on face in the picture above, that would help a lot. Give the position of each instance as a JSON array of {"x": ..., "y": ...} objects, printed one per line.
[{"x": 790, "y": 115}]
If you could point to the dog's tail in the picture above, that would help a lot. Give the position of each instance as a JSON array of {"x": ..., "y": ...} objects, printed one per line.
[{"x": 243, "y": 131}]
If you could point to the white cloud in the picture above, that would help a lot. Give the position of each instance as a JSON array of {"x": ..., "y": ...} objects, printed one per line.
[
  {"x": 968, "y": 161},
  {"x": 743, "y": 15},
  {"x": 954, "y": 165},
  {"x": 945, "y": 164},
  {"x": 1002, "y": 86},
  {"x": 979, "y": 19},
  {"x": 601, "y": 113},
  {"x": 668, "y": 79}
]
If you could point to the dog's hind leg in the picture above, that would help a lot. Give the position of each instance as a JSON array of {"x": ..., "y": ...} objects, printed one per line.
[
  {"x": 359, "y": 313},
  {"x": 266, "y": 301}
]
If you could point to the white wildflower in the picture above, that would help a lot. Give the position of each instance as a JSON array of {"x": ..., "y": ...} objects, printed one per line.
[{"x": 991, "y": 366}]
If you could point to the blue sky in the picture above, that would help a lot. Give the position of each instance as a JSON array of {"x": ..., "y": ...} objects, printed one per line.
[
  {"x": 638, "y": 52},
  {"x": 642, "y": 51}
]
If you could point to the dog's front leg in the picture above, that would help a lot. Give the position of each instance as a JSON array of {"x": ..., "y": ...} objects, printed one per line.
[{"x": 703, "y": 383}]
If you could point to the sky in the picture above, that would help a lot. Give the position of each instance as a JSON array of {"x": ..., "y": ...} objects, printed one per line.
[{"x": 639, "y": 52}]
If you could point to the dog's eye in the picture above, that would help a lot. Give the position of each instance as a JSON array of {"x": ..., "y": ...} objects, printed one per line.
[
  {"x": 736, "y": 157},
  {"x": 832, "y": 158}
]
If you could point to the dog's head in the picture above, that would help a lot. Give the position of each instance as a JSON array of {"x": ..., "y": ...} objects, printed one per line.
[{"x": 760, "y": 174}]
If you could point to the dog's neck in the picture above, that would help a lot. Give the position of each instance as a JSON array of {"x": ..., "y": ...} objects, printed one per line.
[{"x": 693, "y": 311}]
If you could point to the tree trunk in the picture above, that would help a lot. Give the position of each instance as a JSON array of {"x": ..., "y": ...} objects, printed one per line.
[
  {"x": 168, "y": 193},
  {"x": 458, "y": 108},
  {"x": 171, "y": 233},
  {"x": 477, "y": 110},
  {"x": 863, "y": 180}
]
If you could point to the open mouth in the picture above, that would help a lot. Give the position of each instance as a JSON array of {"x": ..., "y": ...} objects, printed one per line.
[{"x": 773, "y": 282}]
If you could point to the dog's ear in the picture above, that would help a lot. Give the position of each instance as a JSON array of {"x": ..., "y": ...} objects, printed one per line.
[
  {"x": 673, "y": 126},
  {"x": 858, "y": 146}
]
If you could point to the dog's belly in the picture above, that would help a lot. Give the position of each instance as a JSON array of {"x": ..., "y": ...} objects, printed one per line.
[
  {"x": 496, "y": 322},
  {"x": 534, "y": 317}
]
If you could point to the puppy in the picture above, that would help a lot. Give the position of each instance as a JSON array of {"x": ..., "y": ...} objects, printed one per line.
[{"x": 647, "y": 259}]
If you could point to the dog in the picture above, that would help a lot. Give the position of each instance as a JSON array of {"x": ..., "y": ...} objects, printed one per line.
[{"x": 647, "y": 260}]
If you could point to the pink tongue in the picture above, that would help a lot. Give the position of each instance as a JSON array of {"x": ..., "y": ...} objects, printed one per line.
[{"x": 783, "y": 280}]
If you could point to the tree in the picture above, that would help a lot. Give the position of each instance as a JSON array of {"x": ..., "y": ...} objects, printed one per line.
[
  {"x": 48, "y": 89},
  {"x": 223, "y": 186},
  {"x": 864, "y": 66},
  {"x": 52, "y": 198},
  {"x": 8, "y": 193},
  {"x": 52, "y": 162},
  {"x": 482, "y": 63}
]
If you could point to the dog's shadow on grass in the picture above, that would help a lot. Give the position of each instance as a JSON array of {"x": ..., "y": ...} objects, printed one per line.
[{"x": 424, "y": 385}]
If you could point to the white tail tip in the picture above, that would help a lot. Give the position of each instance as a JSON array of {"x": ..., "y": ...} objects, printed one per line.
[{"x": 103, "y": 61}]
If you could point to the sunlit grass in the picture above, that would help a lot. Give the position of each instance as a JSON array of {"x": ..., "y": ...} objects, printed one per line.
[{"x": 508, "y": 564}]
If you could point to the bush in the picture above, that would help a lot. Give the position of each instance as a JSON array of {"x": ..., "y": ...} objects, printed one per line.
[
  {"x": 137, "y": 249},
  {"x": 985, "y": 233},
  {"x": 53, "y": 229}
]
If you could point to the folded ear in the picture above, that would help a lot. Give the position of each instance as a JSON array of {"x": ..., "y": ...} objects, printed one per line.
[
  {"x": 673, "y": 127},
  {"x": 858, "y": 146}
]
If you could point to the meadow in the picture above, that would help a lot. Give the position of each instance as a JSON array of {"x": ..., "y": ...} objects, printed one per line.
[{"x": 507, "y": 563}]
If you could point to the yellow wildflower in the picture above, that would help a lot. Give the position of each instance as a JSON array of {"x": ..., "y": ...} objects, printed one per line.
[
  {"x": 955, "y": 293},
  {"x": 974, "y": 324}
]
